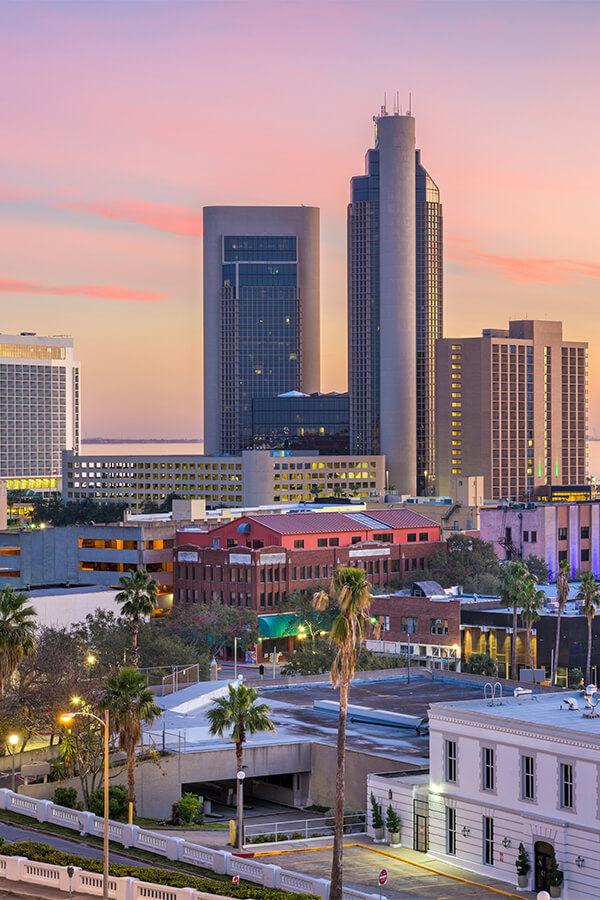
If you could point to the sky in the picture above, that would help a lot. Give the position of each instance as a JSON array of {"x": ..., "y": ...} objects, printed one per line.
[{"x": 122, "y": 120}]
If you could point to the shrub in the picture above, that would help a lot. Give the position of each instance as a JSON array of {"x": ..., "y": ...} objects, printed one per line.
[
  {"x": 376, "y": 813},
  {"x": 66, "y": 796},
  {"x": 39, "y": 852},
  {"x": 189, "y": 806},
  {"x": 117, "y": 802},
  {"x": 392, "y": 820},
  {"x": 522, "y": 863},
  {"x": 555, "y": 875}
]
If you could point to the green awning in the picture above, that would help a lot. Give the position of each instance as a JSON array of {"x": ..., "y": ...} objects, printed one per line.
[{"x": 284, "y": 625}]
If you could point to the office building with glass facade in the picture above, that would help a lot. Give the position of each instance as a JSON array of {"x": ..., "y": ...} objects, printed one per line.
[
  {"x": 261, "y": 314},
  {"x": 296, "y": 421},
  {"x": 395, "y": 306},
  {"x": 39, "y": 409}
]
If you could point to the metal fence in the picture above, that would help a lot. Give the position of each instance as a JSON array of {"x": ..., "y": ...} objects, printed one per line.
[
  {"x": 177, "y": 678},
  {"x": 298, "y": 829}
]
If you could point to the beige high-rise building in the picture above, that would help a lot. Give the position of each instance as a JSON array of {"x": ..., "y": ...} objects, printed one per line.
[{"x": 512, "y": 406}]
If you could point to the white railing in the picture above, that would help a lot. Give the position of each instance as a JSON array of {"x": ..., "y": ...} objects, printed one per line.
[
  {"x": 303, "y": 829},
  {"x": 16, "y": 868}
]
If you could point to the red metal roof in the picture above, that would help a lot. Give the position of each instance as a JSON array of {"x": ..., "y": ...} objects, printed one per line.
[
  {"x": 402, "y": 518},
  {"x": 313, "y": 523}
]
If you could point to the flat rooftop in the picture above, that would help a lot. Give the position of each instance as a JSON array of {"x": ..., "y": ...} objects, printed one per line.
[{"x": 536, "y": 711}]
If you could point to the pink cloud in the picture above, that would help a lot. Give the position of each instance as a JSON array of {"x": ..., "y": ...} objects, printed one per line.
[
  {"x": 94, "y": 291},
  {"x": 523, "y": 270},
  {"x": 177, "y": 220}
]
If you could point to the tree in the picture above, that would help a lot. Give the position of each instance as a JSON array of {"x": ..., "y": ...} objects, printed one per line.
[
  {"x": 467, "y": 561},
  {"x": 81, "y": 754},
  {"x": 209, "y": 627},
  {"x": 17, "y": 633},
  {"x": 313, "y": 622},
  {"x": 52, "y": 511},
  {"x": 481, "y": 664},
  {"x": 538, "y": 567},
  {"x": 352, "y": 593},
  {"x": 137, "y": 599},
  {"x": 130, "y": 704},
  {"x": 532, "y": 601},
  {"x": 512, "y": 576},
  {"x": 589, "y": 595},
  {"x": 562, "y": 593},
  {"x": 240, "y": 713},
  {"x": 315, "y": 491}
]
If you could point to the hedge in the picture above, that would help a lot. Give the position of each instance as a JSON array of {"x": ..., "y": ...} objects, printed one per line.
[{"x": 38, "y": 852}]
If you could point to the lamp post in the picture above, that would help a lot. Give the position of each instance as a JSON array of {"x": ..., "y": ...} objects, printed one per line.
[
  {"x": 234, "y": 658},
  {"x": 65, "y": 719},
  {"x": 13, "y": 740},
  {"x": 240, "y": 810}
]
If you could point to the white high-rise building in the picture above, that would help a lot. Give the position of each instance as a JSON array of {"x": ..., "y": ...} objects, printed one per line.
[{"x": 39, "y": 409}]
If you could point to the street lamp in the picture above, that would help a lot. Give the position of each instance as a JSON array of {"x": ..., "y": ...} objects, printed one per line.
[
  {"x": 240, "y": 810},
  {"x": 66, "y": 718},
  {"x": 91, "y": 659},
  {"x": 13, "y": 740}
]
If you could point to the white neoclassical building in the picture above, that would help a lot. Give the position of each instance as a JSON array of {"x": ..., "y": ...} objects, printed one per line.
[{"x": 506, "y": 770}]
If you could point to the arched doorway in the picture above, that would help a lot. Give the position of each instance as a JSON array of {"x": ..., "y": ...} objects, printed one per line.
[{"x": 543, "y": 855}]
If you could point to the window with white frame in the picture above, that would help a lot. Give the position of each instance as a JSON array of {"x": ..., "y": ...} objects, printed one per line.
[
  {"x": 566, "y": 785},
  {"x": 450, "y": 830},
  {"x": 527, "y": 778},
  {"x": 488, "y": 779},
  {"x": 488, "y": 840},
  {"x": 450, "y": 753}
]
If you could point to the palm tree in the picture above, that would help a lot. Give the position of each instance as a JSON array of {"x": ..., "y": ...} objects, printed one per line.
[
  {"x": 137, "y": 599},
  {"x": 512, "y": 576},
  {"x": 532, "y": 601},
  {"x": 352, "y": 593},
  {"x": 589, "y": 594},
  {"x": 17, "y": 633},
  {"x": 130, "y": 703},
  {"x": 242, "y": 714},
  {"x": 562, "y": 592}
]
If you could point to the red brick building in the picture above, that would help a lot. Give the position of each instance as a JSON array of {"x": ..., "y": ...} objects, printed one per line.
[
  {"x": 423, "y": 618},
  {"x": 256, "y": 561}
]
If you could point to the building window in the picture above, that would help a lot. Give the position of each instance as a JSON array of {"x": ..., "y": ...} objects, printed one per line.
[
  {"x": 439, "y": 626},
  {"x": 585, "y": 533},
  {"x": 488, "y": 840},
  {"x": 412, "y": 537},
  {"x": 302, "y": 573},
  {"x": 423, "y": 535},
  {"x": 298, "y": 545},
  {"x": 566, "y": 786},
  {"x": 450, "y": 748},
  {"x": 585, "y": 556},
  {"x": 450, "y": 830},
  {"x": 562, "y": 554},
  {"x": 534, "y": 537},
  {"x": 525, "y": 537},
  {"x": 562, "y": 534},
  {"x": 408, "y": 624},
  {"x": 334, "y": 542},
  {"x": 488, "y": 769},
  {"x": 321, "y": 542},
  {"x": 527, "y": 778}
]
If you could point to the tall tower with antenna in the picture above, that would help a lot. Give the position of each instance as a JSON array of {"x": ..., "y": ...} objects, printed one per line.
[{"x": 394, "y": 304}]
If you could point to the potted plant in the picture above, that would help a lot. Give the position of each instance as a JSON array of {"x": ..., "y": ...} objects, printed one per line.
[
  {"x": 523, "y": 866},
  {"x": 392, "y": 820},
  {"x": 555, "y": 877},
  {"x": 376, "y": 818}
]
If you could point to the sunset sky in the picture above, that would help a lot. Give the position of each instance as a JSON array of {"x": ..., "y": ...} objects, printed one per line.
[{"x": 121, "y": 120}]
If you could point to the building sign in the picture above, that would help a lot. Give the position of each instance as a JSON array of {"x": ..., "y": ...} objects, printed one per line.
[
  {"x": 239, "y": 559},
  {"x": 187, "y": 556},
  {"x": 381, "y": 551},
  {"x": 272, "y": 559}
]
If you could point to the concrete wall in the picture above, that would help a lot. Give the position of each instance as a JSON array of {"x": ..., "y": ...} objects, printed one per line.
[
  {"x": 158, "y": 784},
  {"x": 358, "y": 766}
]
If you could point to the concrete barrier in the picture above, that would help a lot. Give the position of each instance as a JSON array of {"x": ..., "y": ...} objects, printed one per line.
[
  {"x": 302, "y": 884},
  {"x": 251, "y": 870},
  {"x": 215, "y": 860}
]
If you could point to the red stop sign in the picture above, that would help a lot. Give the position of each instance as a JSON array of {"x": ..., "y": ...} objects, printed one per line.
[{"x": 383, "y": 876}]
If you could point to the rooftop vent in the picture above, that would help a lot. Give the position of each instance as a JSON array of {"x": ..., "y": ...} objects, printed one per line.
[{"x": 571, "y": 702}]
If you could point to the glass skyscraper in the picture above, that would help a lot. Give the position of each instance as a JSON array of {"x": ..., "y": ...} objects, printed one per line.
[
  {"x": 261, "y": 314},
  {"x": 394, "y": 318}
]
